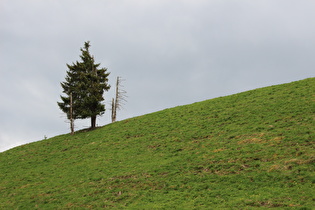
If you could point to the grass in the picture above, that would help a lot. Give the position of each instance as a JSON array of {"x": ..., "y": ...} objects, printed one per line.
[{"x": 249, "y": 150}]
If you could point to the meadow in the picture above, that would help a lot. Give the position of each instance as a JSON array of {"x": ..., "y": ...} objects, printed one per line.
[{"x": 249, "y": 150}]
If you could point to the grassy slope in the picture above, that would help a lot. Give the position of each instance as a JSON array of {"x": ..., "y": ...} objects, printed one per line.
[{"x": 252, "y": 149}]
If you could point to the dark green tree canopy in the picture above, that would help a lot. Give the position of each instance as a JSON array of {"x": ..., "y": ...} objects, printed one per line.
[{"x": 86, "y": 82}]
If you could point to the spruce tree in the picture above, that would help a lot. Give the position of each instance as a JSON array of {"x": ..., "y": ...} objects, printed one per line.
[{"x": 86, "y": 83}]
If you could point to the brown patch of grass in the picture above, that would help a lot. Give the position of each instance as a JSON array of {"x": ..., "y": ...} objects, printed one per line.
[
  {"x": 219, "y": 150},
  {"x": 251, "y": 141}
]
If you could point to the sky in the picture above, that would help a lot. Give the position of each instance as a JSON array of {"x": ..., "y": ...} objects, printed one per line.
[{"x": 170, "y": 53}]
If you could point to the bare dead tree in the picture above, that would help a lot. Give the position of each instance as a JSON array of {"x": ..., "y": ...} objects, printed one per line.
[{"x": 120, "y": 98}]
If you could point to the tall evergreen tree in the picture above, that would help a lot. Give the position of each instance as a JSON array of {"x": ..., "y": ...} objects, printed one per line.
[{"x": 86, "y": 83}]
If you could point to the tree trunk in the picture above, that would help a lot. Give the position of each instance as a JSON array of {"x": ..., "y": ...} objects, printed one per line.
[
  {"x": 113, "y": 110},
  {"x": 71, "y": 115},
  {"x": 117, "y": 96},
  {"x": 93, "y": 122}
]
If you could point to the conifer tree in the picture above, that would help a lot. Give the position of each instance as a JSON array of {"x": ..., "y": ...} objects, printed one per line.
[{"x": 86, "y": 83}]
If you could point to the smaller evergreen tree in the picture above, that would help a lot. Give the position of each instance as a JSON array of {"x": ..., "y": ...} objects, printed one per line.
[{"x": 85, "y": 83}]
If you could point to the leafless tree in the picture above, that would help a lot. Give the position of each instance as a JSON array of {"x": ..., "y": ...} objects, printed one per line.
[{"x": 120, "y": 98}]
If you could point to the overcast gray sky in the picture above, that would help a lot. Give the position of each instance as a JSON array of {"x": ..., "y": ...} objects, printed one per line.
[{"x": 171, "y": 52}]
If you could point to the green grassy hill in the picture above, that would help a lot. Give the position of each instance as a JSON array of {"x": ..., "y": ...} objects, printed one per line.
[{"x": 252, "y": 149}]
